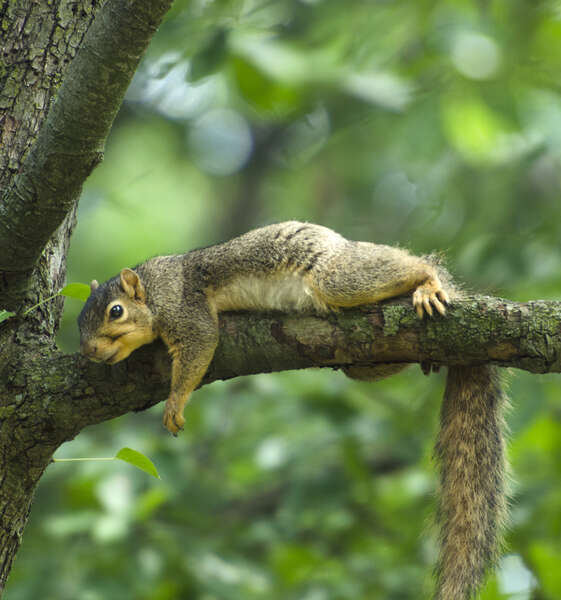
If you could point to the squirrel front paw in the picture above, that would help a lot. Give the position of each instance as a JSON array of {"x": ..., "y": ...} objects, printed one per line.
[
  {"x": 428, "y": 295},
  {"x": 173, "y": 414}
]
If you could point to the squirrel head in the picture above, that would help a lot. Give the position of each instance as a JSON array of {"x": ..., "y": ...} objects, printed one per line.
[{"x": 115, "y": 319}]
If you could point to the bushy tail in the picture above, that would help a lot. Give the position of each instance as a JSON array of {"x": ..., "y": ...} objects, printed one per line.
[{"x": 471, "y": 453}]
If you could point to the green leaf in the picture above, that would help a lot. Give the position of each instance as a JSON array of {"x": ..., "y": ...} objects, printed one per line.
[
  {"x": 81, "y": 291},
  {"x": 138, "y": 460},
  {"x": 6, "y": 314}
]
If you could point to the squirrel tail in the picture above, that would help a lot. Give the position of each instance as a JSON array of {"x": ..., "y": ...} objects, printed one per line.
[{"x": 473, "y": 471}]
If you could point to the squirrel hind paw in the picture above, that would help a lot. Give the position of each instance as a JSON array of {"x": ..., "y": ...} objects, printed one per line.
[{"x": 430, "y": 295}]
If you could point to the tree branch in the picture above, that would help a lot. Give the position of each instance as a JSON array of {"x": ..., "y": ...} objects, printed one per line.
[
  {"x": 475, "y": 330},
  {"x": 72, "y": 139}
]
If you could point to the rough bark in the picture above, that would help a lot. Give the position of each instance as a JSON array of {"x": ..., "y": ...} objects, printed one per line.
[{"x": 39, "y": 40}]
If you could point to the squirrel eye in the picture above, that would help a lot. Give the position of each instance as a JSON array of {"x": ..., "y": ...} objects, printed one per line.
[{"x": 116, "y": 311}]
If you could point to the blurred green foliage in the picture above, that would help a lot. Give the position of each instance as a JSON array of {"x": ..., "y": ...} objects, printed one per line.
[{"x": 434, "y": 125}]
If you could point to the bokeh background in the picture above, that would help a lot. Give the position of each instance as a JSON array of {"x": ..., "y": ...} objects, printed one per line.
[{"x": 433, "y": 125}]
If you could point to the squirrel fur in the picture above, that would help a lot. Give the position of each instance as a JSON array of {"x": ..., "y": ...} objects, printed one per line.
[{"x": 296, "y": 266}]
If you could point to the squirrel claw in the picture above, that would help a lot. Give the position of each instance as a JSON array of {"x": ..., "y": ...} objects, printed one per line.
[
  {"x": 173, "y": 419},
  {"x": 176, "y": 428},
  {"x": 428, "y": 296}
]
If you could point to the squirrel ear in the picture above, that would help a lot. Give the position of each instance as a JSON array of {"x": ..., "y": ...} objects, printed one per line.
[
  {"x": 94, "y": 285},
  {"x": 132, "y": 286}
]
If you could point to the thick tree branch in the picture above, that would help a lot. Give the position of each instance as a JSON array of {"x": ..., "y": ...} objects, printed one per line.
[
  {"x": 72, "y": 139},
  {"x": 475, "y": 330}
]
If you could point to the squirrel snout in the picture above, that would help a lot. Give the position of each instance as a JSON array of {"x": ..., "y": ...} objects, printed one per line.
[{"x": 88, "y": 348}]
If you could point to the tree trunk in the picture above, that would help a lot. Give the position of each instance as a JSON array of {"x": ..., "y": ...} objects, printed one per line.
[
  {"x": 39, "y": 41},
  {"x": 66, "y": 67}
]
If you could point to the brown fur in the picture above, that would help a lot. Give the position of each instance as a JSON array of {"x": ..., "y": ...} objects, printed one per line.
[
  {"x": 471, "y": 452},
  {"x": 300, "y": 266}
]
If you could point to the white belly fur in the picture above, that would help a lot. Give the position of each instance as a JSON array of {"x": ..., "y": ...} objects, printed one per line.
[{"x": 250, "y": 292}]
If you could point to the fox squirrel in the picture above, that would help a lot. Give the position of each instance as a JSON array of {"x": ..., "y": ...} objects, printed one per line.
[{"x": 296, "y": 266}]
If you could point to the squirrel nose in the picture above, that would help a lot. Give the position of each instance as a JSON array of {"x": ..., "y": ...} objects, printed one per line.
[{"x": 88, "y": 348}]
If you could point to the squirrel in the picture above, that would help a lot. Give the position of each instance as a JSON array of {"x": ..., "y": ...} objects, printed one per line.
[{"x": 297, "y": 266}]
